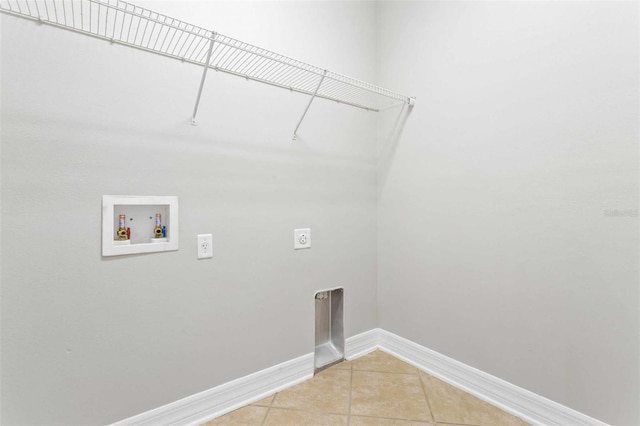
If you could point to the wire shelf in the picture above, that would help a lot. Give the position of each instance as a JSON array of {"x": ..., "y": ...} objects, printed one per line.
[{"x": 127, "y": 24}]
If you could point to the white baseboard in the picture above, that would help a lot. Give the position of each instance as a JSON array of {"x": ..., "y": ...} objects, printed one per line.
[
  {"x": 204, "y": 406},
  {"x": 361, "y": 344},
  {"x": 529, "y": 406}
]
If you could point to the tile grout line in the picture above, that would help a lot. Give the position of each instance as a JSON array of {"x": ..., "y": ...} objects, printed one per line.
[
  {"x": 426, "y": 397},
  {"x": 350, "y": 394},
  {"x": 268, "y": 409},
  {"x": 385, "y": 372},
  {"x": 456, "y": 424},
  {"x": 425, "y": 384},
  {"x": 370, "y": 416},
  {"x": 306, "y": 410}
]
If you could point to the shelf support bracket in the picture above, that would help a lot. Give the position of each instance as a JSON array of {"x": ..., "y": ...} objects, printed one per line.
[
  {"x": 204, "y": 76},
  {"x": 295, "y": 132}
]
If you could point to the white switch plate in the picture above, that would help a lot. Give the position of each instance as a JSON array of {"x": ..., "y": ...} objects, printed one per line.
[
  {"x": 301, "y": 238},
  {"x": 205, "y": 246}
]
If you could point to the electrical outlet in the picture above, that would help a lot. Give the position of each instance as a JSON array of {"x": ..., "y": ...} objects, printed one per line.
[
  {"x": 205, "y": 246},
  {"x": 301, "y": 238}
]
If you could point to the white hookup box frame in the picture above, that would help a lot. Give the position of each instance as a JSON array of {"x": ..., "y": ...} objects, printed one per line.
[{"x": 140, "y": 212}]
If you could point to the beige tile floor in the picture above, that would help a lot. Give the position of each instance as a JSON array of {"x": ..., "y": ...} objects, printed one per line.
[{"x": 376, "y": 389}]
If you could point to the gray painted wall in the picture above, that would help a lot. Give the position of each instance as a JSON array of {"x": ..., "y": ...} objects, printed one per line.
[
  {"x": 92, "y": 340},
  {"x": 495, "y": 242},
  {"x": 487, "y": 218}
]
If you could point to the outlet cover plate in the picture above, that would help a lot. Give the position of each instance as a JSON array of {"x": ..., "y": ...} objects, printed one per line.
[
  {"x": 205, "y": 246},
  {"x": 301, "y": 238}
]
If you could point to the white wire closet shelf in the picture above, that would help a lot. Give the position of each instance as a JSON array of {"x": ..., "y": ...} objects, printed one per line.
[{"x": 125, "y": 23}]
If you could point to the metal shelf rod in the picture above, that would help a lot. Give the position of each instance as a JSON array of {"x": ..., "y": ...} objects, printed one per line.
[
  {"x": 204, "y": 76},
  {"x": 295, "y": 132}
]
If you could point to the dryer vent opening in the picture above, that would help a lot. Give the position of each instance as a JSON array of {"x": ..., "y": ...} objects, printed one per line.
[{"x": 329, "y": 348}]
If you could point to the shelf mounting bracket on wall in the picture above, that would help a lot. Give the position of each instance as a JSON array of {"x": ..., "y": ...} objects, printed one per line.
[
  {"x": 204, "y": 76},
  {"x": 315, "y": 92}
]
